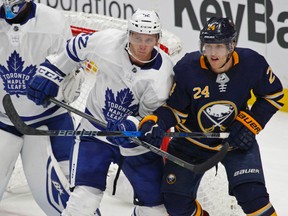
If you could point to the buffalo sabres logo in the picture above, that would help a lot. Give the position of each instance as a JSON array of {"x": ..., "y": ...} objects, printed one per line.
[
  {"x": 171, "y": 179},
  {"x": 216, "y": 115}
]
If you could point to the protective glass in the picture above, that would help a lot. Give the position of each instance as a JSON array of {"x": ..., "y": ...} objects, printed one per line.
[
  {"x": 13, "y": 7},
  {"x": 215, "y": 49}
]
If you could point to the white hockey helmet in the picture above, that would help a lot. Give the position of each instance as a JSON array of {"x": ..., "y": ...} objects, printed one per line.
[
  {"x": 145, "y": 22},
  {"x": 13, "y": 7}
]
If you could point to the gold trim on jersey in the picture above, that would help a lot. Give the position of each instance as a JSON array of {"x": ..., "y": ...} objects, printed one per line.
[
  {"x": 172, "y": 89},
  {"x": 179, "y": 116},
  {"x": 235, "y": 57},
  {"x": 274, "y": 103},
  {"x": 275, "y": 95},
  {"x": 263, "y": 210},
  {"x": 270, "y": 99},
  {"x": 271, "y": 75},
  {"x": 199, "y": 210},
  {"x": 202, "y": 63},
  {"x": 148, "y": 118}
]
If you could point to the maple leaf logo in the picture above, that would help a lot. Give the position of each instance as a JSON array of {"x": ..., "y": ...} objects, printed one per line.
[
  {"x": 118, "y": 108},
  {"x": 15, "y": 77}
]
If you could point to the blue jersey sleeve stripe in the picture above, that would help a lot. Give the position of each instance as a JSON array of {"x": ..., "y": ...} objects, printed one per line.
[{"x": 72, "y": 55}]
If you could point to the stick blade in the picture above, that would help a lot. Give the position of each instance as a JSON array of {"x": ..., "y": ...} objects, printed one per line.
[
  {"x": 213, "y": 161},
  {"x": 15, "y": 118}
]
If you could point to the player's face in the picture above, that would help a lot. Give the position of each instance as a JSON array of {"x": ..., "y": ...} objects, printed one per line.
[
  {"x": 141, "y": 45},
  {"x": 216, "y": 55}
]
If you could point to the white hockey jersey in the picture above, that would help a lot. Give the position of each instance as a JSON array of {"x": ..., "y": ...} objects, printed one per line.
[
  {"x": 23, "y": 48},
  {"x": 121, "y": 87}
]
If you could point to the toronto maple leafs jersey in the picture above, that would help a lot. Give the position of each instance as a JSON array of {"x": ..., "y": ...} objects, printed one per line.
[
  {"x": 208, "y": 102},
  {"x": 23, "y": 48},
  {"x": 122, "y": 88}
]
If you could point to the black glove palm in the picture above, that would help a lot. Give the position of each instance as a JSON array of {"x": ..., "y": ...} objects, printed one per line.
[
  {"x": 240, "y": 136},
  {"x": 243, "y": 130},
  {"x": 152, "y": 133}
]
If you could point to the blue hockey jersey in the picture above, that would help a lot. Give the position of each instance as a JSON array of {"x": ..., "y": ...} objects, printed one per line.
[{"x": 204, "y": 101}]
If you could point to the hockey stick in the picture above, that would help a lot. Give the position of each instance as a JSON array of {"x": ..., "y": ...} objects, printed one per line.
[
  {"x": 25, "y": 129},
  {"x": 200, "y": 168},
  {"x": 222, "y": 135}
]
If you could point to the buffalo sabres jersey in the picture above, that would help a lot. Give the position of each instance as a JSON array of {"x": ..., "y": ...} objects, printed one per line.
[
  {"x": 204, "y": 101},
  {"x": 23, "y": 48},
  {"x": 122, "y": 88}
]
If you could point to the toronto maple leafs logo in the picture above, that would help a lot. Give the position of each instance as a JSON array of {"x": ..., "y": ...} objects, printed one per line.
[
  {"x": 119, "y": 107},
  {"x": 15, "y": 76}
]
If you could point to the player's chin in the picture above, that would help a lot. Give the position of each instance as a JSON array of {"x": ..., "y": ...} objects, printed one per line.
[
  {"x": 215, "y": 65},
  {"x": 142, "y": 53},
  {"x": 143, "y": 56}
]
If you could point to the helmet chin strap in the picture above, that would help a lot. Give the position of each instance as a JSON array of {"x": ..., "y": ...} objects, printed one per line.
[
  {"x": 227, "y": 59},
  {"x": 144, "y": 62}
]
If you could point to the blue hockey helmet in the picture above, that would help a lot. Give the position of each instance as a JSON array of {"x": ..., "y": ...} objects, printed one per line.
[
  {"x": 13, "y": 7},
  {"x": 218, "y": 30}
]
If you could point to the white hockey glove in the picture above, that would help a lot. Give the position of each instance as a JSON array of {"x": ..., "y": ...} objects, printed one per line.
[{"x": 71, "y": 87}]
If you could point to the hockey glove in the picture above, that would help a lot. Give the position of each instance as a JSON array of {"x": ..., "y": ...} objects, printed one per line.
[
  {"x": 129, "y": 124},
  {"x": 152, "y": 130},
  {"x": 243, "y": 131},
  {"x": 71, "y": 87},
  {"x": 45, "y": 84}
]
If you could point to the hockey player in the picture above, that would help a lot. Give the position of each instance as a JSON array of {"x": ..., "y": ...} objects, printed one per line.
[
  {"x": 210, "y": 94},
  {"x": 28, "y": 33},
  {"x": 134, "y": 79}
]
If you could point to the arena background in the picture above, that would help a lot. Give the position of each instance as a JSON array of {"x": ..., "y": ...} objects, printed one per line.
[{"x": 262, "y": 24}]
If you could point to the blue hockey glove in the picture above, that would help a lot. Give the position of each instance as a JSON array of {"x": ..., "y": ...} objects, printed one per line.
[
  {"x": 44, "y": 84},
  {"x": 152, "y": 130},
  {"x": 243, "y": 131},
  {"x": 129, "y": 124}
]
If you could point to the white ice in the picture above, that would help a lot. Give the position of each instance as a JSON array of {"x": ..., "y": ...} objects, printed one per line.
[{"x": 273, "y": 141}]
